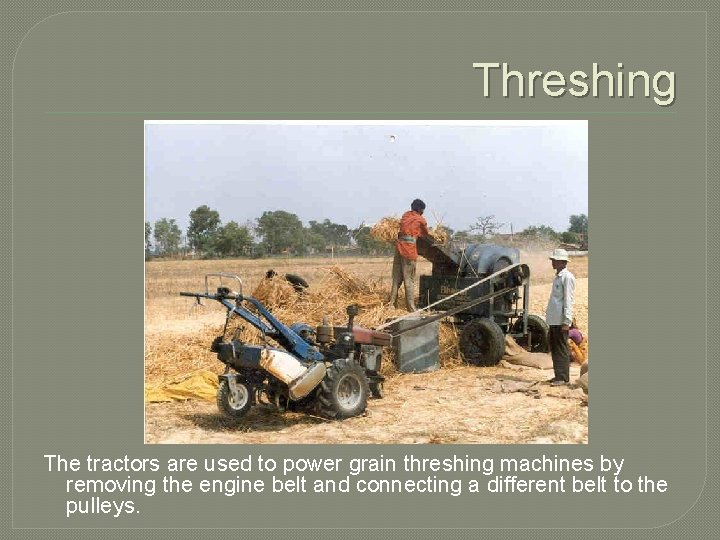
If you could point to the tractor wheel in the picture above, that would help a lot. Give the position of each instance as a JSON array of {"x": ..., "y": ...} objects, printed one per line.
[
  {"x": 344, "y": 390},
  {"x": 540, "y": 334},
  {"x": 482, "y": 342},
  {"x": 234, "y": 404}
]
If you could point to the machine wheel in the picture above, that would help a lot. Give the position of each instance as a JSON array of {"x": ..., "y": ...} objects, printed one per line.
[
  {"x": 344, "y": 390},
  {"x": 482, "y": 342},
  {"x": 502, "y": 262},
  {"x": 376, "y": 389},
  {"x": 540, "y": 334},
  {"x": 234, "y": 404}
]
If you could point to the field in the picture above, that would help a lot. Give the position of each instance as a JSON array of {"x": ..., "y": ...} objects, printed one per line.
[{"x": 458, "y": 404}]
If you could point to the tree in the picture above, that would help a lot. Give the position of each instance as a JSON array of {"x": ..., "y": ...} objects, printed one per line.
[
  {"x": 204, "y": 225},
  {"x": 314, "y": 240},
  {"x": 540, "y": 231},
  {"x": 579, "y": 225},
  {"x": 570, "y": 238},
  {"x": 148, "y": 233},
  {"x": 280, "y": 231},
  {"x": 486, "y": 226},
  {"x": 167, "y": 236},
  {"x": 370, "y": 245},
  {"x": 334, "y": 234},
  {"x": 232, "y": 240}
]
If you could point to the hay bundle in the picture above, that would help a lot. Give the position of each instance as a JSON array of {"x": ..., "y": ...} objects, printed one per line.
[
  {"x": 440, "y": 234},
  {"x": 168, "y": 355},
  {"x": 449, "y": 351},
  {"x": 349, "y": 283},
  {"x": 275, "y": 291},
  {"x": 171, "y": 354},
  {"x": 387, "y": 229}
]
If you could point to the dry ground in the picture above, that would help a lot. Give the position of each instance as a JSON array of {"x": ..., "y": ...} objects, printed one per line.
[{"x": 457, "y": 404}]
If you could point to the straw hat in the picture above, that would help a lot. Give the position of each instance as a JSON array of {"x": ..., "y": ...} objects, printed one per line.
[{"x": 559, "y": 255}]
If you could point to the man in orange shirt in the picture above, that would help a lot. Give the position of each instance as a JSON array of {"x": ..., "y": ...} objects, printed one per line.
[{"x": 412, "y": 225}]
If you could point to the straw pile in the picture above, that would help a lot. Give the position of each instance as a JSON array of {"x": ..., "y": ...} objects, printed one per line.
[
  {"x": 386, "y": 230},
  {"x": 329, "y": 298},
  {"x": 169, "y": 355}
]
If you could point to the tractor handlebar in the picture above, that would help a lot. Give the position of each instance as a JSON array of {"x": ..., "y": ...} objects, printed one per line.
[{"x": 223, "y": 293}]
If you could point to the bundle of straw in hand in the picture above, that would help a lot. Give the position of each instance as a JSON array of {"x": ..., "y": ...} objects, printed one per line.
[{"x": 386, "y": 230}]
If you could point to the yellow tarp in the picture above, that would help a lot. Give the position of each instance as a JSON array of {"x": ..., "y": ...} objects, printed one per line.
[{"x": 201, "y": 384}]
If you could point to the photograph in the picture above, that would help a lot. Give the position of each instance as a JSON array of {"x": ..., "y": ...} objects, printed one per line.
[
  {"x": 364, "y": 277},
  {"x": 373, "y": 282}
]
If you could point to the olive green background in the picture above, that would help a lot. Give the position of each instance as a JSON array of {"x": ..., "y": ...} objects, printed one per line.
[{"x": 83, "y": 84}]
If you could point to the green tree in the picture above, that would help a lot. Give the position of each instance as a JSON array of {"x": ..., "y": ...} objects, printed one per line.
[
  {"x": 334, "y": 234},
  {"x": 570, "y": 238},
  {"x": 370, "y": 245},
  {"x": 204, "y": 225},
  {"x": 167, "y": 236},
  {"x": 579, "y": 225},
  {"x": 232, "y": 240},
  {"x": 280, "y": 231},
  {"x": 314, "y": 240},
  {"x": 148, "y": 233},
  {"x": 540, "y": 231}
]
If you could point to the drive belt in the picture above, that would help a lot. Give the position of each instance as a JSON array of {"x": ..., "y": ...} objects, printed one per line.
[{"x": 524, "y": 272}]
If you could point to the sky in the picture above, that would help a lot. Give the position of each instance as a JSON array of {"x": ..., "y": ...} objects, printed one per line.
[{"x": 522, "y": 172}]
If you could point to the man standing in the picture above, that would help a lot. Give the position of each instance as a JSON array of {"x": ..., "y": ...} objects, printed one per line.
[
  {"x": 412, "y": 225},
  {"x": 559, "y": 316}
]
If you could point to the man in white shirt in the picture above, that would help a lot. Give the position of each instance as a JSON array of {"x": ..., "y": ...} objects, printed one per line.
[{"x": 559, "y": 316}]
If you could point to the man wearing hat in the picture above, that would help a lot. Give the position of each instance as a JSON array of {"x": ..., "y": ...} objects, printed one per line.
[
  {"x": 559, "y": 316},
  {"x": 412, "y": 225}
]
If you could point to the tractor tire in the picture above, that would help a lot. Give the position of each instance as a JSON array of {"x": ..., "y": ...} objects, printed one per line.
[
  {"x": 234, "y": 405},
  {"x": 344, "y": 390},
  {"x": 540, "y": 334},
  {"x": 482, "y": 342}
]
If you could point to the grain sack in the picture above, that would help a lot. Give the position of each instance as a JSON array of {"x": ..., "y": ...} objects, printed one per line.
[
  {"x": 511, "y": 347},
  {"x": 528, "y": 359},
  {"x": 578, "y": 352},
  {"x": 583, "y": 381}
]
